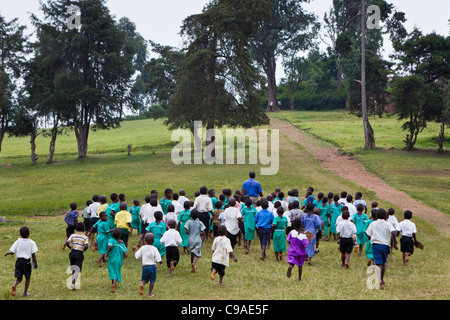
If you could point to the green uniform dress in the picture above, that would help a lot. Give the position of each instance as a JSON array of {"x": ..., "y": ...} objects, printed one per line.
[
  {"x": 135, "y": 217},
  {"x": 194, "y": 238},
  {"x": 325, "y": 213},
  {"x": 112, "y": 207},
  {"x": 102, "y": 236},
  {"x": 184, "y": 217},
  {"x": 360, "y": 222},
  {"x": 115, "y": 259},
  {"x": 279, "y": 233},
  {"x": 164, "y": 203},
  {"x": 335, "y": 213},
  {"x": 368, "y": 249},
  {"x": 158, "y": 229},
  {"x": 249, "y": 222}
]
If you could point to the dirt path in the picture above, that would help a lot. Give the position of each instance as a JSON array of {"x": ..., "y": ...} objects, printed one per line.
[{"x": 351, "y": 169}]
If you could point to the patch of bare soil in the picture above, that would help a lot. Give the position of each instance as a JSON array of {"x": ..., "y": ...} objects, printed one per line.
[{"x": 351, "y": 169}]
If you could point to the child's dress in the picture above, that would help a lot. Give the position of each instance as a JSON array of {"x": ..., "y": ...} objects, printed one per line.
[
  {"x": 115, "y": 259},
  {"x": 360, "y": 222},
  {"x": 135, "y": 217},
  {"x": 325, "y": 212},
  {"x": 335, "y": 213},
  {"x": 279, "y": 233},
  {"x": 158, "y": 229},
  {"x": 298, "y": 242},
  {"x": 102, "y": 236},
  {"x": 194, "y": 239},
  {"x": 249, "y": 222},
  {"x": 311, "y": 223},
  {"x": 184, "y": 217},
  {"x": 369, "y": 249}
]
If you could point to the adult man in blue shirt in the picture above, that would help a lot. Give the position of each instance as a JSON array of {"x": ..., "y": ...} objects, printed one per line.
[
  {"x": 263, "y": 221},
  {"x": 252, "y": 187}
]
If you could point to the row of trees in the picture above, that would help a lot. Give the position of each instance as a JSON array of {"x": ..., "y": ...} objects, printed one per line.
[{"x": 87, "y": 77}]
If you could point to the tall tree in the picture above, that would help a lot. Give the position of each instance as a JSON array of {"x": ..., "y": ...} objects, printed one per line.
[
  {"x": 218, "y": 83},
  {"x": 13, "y": 49},
  {"x": 98, "y": 64},
  {"x": 289, "y": 23}
]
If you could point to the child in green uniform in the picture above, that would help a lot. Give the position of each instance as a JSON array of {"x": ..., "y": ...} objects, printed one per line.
[
  {"x": 112, "y": 209},
  {"x": 360, "y": 220},
  {"x": 166, "y": 201},
  {"x": 115, "y": 254},
  {"x": 135, "y": 211},
  {"x": 103, "y": 231},
  {"x": 368, "y": 249},
  {"x": 336, "y": 210},
  {"x": 158, "y": 228},
  {"x": 325, "y": 214},
  {"x": 183, "y": 217},
  {"x": 279, "y": 225},
  {"x": 249, "y": 213}
]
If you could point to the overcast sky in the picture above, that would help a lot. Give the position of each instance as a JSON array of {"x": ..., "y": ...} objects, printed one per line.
[{"x": 160, "y": 20}]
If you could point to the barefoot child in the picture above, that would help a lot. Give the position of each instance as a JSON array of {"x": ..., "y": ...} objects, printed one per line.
[
  {"x": 150, "y": 257},
  {"x": 279, "y": 225},
  {"x": 346, "y": 230},
  {"x": 78, "y": 243},
  {"x": 222, "y": 252},
  {"x": 336, "y": 209},
  {"x": 184, "y": 217},
  {"x": 158, "y": 228},
  {"x": 122, "y": 220},
  {"x": 408, "y": 240},
  {"x": 25, "y": 250},
  {"x": 103, "y": 231},
  {"x": 248, "y": 213},
  {"x": 311, "y": 222},
  {"x": 360, "y": 220},
  {"x": 298, "y": 242},
  {"x": 263, "y": 224},
  {"x": 171, "y": 240},
  {"x": 135, "y": 211},
  {"x": 380, "y": 233},
  {"x": 194, "y": 229},
  {"x": 115, "y": 254}
]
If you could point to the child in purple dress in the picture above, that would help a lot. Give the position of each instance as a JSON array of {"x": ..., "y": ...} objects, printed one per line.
[{"x": 296, "y": 253}]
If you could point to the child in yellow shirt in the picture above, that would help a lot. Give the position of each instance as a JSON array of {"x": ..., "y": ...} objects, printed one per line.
[{"x": 123, "y": 222}]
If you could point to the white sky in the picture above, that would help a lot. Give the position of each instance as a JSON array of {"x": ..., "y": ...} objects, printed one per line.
[{"x": 160, "y": 20}]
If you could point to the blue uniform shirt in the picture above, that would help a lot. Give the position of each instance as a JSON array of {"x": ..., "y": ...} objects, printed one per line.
[
  {"x": 264, "y": 219},
  {"x": 252, "y": 187}
]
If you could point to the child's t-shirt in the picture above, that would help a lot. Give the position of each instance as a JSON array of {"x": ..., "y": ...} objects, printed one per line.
[
  {"x": 170, "y": 216},
  {"x": 23, "y": 248},
  {"x": 71, "y": 217},
  {"x": 380, "y": 232},
  {"x": 78, "y": 241},
  {"x": 122, "y": 219},
  {"x": 222, "y": 248},
  {"x": 171, "y": 238},
  {"x": 215, "y": 217},
  {"x": 407, "y": 228},
  {"x": 149, "y": 254}
]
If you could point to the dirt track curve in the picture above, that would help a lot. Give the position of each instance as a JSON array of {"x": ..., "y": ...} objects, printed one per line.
[{"x": 351, "y": 169}]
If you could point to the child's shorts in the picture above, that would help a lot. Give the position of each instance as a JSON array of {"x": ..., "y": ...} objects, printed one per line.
[
  {"x": 70, "y": 230},
  {"x": 22, "y": 269},
  {"x": 346, "y": 245},
  {"x": 380, "y": 253},
  {"x": 220, "y": 268},
  {"x": 149, "y": 273},
  {"x": 407, "y": 244},
  {"x": 264, "y": 235}
]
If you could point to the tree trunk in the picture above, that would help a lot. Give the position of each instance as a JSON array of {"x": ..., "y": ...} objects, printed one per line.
[
  {"x": 52, "y": 144},
  {"x": 368, "y": 131},
  {"x": 339, "y": 76},
  {"x": 272, "y": 82},
  {"x": 34, "y": 156},
  {"x": 211, "y": 139},
  {"x": 441, "y": 138},
  {"x": 82, "y": 133}
]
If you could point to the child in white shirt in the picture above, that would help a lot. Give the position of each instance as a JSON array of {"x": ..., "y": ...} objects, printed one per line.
[
  {"x": 150, "y": 257},
  {"x": 222, "y": 253},
  {"x": 408, "y": 239},
  {"x": 25, "y": 250},
  {"x": 171, "y": 239}
]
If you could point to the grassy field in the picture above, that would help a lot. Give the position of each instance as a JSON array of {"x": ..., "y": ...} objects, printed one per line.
[
  {"x": 37, "y": 196},
  {"x": 423, "y": 173}
]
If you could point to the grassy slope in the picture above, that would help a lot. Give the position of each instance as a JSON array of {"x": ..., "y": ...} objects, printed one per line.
[
  {"x": 423, "y": 174},
  {"x": 48, "y": 189}
]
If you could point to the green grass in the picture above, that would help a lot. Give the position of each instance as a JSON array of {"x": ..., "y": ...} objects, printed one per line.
[
  {"x": 31, "y": 192},
  {"x": 423, "y": 173}
]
